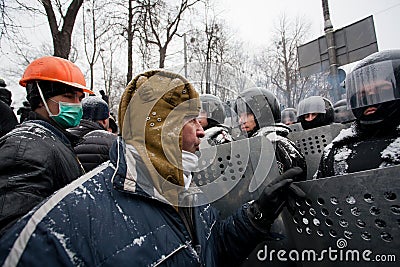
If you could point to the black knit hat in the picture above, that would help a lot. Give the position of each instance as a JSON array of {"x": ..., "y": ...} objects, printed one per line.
[
  {"x": 95, "y": 108},
  {"x": 5, "y": 95},
  {"x": 49, "y": 89}
]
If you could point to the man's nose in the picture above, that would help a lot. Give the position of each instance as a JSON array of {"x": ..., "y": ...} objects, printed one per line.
[{"x": 200, "y": 133}]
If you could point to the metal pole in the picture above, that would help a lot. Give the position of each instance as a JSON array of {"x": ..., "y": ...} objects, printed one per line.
[
  {"x": 330, "y": 41},
  {"x": 185, "y": 54}
]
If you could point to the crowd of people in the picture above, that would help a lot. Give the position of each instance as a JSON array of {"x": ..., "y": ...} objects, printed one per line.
[{"x": 74, "y": 193}]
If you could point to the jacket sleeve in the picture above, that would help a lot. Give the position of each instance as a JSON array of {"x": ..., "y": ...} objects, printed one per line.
[
  {"x": 325, "y": 168},
  {"x": 237, "y": 237}
]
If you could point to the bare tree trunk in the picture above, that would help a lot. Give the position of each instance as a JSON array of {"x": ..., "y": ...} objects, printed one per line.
[
  {"x": 163, "y": 54},
  {"x": 130, "y": 42},
  {"x": 62, "y": 39},
  {"x": 161, "y": 25}
]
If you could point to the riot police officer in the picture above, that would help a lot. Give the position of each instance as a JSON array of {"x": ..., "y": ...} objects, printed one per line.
[
  {"x": 259, "y": 115},
  {"x": 289, "y": 116},
  {"x": 314, "y": 111},
  {"x": 372, "y": 141},
  {"x": 211, "y": 118}
]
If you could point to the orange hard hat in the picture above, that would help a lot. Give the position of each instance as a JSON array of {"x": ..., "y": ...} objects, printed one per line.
[{"x": 55, "y": 69}]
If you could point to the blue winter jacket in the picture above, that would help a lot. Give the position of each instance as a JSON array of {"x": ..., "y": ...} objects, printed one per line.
[{"x": 105, "y": 218}]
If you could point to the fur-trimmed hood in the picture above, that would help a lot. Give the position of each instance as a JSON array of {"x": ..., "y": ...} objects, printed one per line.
[{"x": 152, "y": 111}]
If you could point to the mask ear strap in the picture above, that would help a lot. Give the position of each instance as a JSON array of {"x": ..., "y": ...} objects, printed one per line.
[{"x": 44, "y": 101}]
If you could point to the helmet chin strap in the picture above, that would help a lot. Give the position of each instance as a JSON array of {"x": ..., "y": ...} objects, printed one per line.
[
  {"x": 371, "y": 122},
  {"x": 44, "y": 101}
]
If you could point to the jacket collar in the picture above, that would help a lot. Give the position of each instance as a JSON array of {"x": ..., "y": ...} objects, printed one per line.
[
  {"x": 132, "y": 176},
  {"x": 66, "y": 137}
]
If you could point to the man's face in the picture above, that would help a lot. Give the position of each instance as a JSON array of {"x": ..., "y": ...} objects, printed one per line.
[
  {"x": 379, "y": 87},
  {"x": 191, "y": 134},
  {"x": 72, "y": 97},
  {"x": 247, "y": 122},
  {"x": 310, "y": 116},
  {"x": 368, "y": 97}
]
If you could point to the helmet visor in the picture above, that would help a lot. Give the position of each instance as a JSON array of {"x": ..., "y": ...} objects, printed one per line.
[
  {"x": 313, "y": 104},
  {"x": 372, "y": 84}
]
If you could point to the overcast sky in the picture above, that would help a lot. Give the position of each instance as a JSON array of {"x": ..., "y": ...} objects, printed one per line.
[{"x": 254, "y": 19}]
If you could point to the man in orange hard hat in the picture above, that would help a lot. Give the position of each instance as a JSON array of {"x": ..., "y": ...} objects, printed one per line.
[{"x": 36, "y": 157}]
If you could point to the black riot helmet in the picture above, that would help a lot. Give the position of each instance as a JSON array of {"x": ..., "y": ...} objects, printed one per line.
[
  {"x": 214, "y": 109},
  {"x": 261, "y": 103},
  {"x": 289, "y": 116},
  {"x": 315, "y": 104},
  {"x": 373, "y": 91},
  {"x": 342, "y": 114}
]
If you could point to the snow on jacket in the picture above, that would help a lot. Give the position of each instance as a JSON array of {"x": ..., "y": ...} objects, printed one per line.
[
  {"x": 95, "y": 144},
  {"x": 354, "y": 151},
  {"x": 113, "y": 216},
  {"x": 36, "y": 159},
  {"x": 286, "y": 152}
]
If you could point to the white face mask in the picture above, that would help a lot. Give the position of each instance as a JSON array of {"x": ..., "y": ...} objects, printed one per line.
[{"x": 189, "y": 162}]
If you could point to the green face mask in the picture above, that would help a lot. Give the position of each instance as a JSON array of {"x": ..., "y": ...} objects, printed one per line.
[{"x": 70, "y": 114}]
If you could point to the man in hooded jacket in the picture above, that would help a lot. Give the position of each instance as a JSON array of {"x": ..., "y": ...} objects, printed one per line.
[{"x": 141, "y": 208}]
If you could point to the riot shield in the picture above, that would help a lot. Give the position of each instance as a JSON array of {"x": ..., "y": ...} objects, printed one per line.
[
  {"x": 312, "y": 143},
  {"x": 350, "y": 220},
  {"x": 237, "y": 172},
  {"x": 353, "y": 214},
  {"x": 295, "y": 127},
  {"x": 234, "y": 173}
]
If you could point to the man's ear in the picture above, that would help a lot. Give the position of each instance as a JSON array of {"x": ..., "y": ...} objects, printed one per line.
[{"x": 103, "y": 123}]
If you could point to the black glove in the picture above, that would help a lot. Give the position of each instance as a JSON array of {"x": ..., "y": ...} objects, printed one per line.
[{"x": 263, "y": 211}]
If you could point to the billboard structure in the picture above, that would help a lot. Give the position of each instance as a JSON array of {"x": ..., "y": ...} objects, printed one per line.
[{"x": 353, "y": 43}]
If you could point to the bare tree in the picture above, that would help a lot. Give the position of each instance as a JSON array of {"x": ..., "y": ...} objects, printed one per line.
[
  {"x": 161, "y": 23},
  {"x": 61, "y": 32},
  {"x": 279, "y": 62},
  {"x": 96, "y": 31},
  {"x": 7, "y": 23},
  {"x": 114, "y": 81},
  {"x": 127, "y": 17},
  {"x": 224, "y": 64}
]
